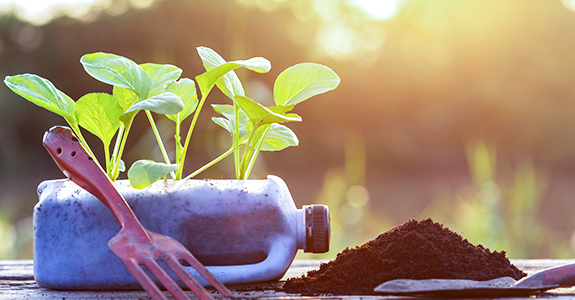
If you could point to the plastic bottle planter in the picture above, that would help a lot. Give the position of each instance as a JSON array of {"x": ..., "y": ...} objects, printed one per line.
[{"x": 242, "y": 230}]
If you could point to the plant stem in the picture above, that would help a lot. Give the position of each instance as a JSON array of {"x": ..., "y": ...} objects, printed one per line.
[
  {"x": 116, "y": 172},
  {"x": 78, "y": 133},
  {"x": 188, "y": 137},
  {"x": 116, "y": 149},
  {"x": 244, "y": 164},
  {"x": 177, "y": 141},
  {"x": 236, "y": 143},
  {"x": 159, "y": 139},
  {"x": 247, "y": 151},
  {"x": 213, "y": 162},
  {"x": 107, "y": 158},
  {"x": 256, "y": 151}
]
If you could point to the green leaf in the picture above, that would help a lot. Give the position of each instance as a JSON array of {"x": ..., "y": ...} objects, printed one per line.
[
  {"x": 280, "y": 109},
  {"x": 229, "y": 83},
  {"x": 43, "y": 93},
  {"x": 278, "y": 138},
  {"x": 161, "y": 75},
  {"x": 217, "y": 68},
  {"x": 118, "y": 71},
  {"x": 122, "y": 166},
  {"x": 303, "y": 81},
  {"x": 260, "y": 115},
  {"x": 165, "y": 104},
  {"x": 224, "y": 123},
  {"x": 227, "y": 122},
  {"x": 227, "y": 111},
  {"x": 99, "y": 114},
  {"x": 184, "y": 88},
  {"x": 126, "y": 97},
  {"x": 145, "y": 172}
]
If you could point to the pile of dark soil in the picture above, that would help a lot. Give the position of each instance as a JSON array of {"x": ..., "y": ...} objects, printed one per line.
[{"x": 413, "y": 250}]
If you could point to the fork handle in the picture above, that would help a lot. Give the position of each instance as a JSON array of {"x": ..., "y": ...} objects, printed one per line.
[{"x": 80, "y": 167}]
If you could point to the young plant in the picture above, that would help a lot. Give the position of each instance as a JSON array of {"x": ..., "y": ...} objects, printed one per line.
[
  {"x": 136, "y": 88},
  {"x": 256, "y": 127},
  {"x": 158, "y": 88}
]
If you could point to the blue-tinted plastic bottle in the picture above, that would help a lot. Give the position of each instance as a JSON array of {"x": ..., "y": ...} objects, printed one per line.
[{"x": 242, "y": 230}]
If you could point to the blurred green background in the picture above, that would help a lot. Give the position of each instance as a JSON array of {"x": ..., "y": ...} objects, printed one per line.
[{"x": 457, "y": 110}]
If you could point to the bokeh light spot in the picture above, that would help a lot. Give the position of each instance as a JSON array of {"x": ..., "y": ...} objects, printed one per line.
[{"x": 379, "y": 9}]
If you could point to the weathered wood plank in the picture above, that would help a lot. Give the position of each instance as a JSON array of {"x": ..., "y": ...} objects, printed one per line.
[
  {"x": 16, "y": 270},
  {"x": 17, "y": 282}
]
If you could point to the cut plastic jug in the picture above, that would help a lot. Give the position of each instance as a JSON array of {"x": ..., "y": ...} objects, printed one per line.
[{"x": 241, "y": 230}]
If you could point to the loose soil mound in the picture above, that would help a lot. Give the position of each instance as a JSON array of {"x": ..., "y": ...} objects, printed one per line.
[{"x": 413, "y": 250}]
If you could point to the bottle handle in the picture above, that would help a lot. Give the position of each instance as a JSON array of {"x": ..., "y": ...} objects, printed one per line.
[{"x": 280, "y": 257}]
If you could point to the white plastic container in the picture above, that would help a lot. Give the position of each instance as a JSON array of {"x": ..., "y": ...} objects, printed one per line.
[{"x": 242, "y": 230}]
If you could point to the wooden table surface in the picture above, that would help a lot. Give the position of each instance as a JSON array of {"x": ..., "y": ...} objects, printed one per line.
[{"x": 17, "y": 282}]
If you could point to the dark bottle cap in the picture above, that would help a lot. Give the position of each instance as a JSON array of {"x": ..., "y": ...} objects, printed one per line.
[{"x": 318, "y": 228}]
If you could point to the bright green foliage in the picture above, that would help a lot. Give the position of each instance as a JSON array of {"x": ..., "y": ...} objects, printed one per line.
[
  {"x": 145, "y": 172},
  {"x": 216, "y": 68},
  {"x": 260, "y": 115},
  {"x": 118, "y": 71},
  {"x": 207, "y": 80},
  {"x": 165, "y": 103},
  {"x": 303, "y": 81},
  {"x": 137, "y": 87},
  {"x": 228, "y": 120},
  {"x": 184, "y": 88},
  {"x": 158, "y": 88},
  {"x": 43, "y": 93},
  {"x": 161, "y": 76},
  {"x": 126, "y": 97},
  {"x": 99, "y": 113},
  {"x": 278, "y": 138},
  {"x": 294, "y": 85},
  {"x": 229, "y": 83}
]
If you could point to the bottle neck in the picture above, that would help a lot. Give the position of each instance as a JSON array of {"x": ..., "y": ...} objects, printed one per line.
[
  {"x": 313, "y": 228},
  {"x": 300, "y": 228}
]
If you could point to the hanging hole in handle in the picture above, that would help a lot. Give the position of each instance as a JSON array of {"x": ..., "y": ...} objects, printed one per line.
[
  {"x": 59, "y": 151},
  {"x": 74, "y": 139},
  {"x": 90, "y": 158},
  {"x": 73, "y": 153}
]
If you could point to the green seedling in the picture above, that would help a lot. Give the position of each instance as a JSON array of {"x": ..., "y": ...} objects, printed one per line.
[
  {"x": 255, "y": 127},
  {"x": 158, "y": 89}
]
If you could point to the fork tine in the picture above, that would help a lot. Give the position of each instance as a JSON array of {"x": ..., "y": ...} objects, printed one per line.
[
  {"x": 200, "y": 268},
  {"x": 165, "y": 279},
  {"x": 145, "y": 281},
  {"x": 187, "y": 278}
]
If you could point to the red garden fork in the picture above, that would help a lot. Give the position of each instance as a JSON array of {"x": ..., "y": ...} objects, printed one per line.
[{"x": 134, "y": 245}]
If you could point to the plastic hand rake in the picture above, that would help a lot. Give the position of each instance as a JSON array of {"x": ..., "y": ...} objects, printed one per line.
[{"x": 134, "y": 245}]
